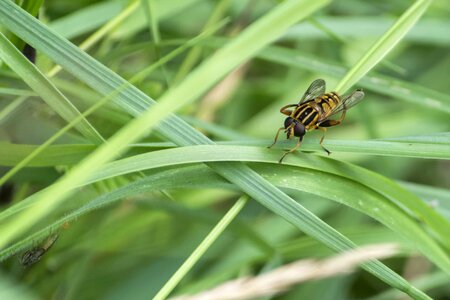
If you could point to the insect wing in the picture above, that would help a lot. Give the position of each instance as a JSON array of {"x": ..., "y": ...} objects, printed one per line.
[
  {"x": 316, "y": 89},
  {"x": 348, "y": 101},
  {"x": 50, "y": 241}
]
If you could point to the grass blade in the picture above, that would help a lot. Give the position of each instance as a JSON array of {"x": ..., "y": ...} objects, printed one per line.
[
  {"x": 91, "y": 71},
  {"x": 201, "y": 249},
  {"x": 42, "y": 86},
  {"x": 385, "y": 85},
  {"x": 259, "y": 34},
  {"x": 383, "y": 45},
  {"x": 432, "y": 147}
]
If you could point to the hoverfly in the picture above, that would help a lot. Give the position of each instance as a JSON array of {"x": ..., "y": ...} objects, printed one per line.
[
  {"x": 33, "y": 255},
  {"x": 314, "y": 111}
]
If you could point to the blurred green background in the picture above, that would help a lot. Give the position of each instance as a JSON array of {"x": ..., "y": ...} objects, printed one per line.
[{"x": 131, "y": 248}]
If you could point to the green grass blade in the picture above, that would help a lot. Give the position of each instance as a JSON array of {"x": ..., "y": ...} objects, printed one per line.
[
  {"x": 150, "y": 10},
  {"x": 196, "y": 154},
  {"x": 102, "y": 31},
  {"x": 44, "y": 88},
  {"x": 166, "y": 9},
  {"x": 418, "y": 147},
  {"x": 308, "y": 176},
  {"x": 27, "y": 160},
  {"x": 12, "y": 154},
  {"x": 86, "y": 19},
  {"x": 308, "y": 180},
  {"x": 90, "y": 71},
  {"x": 239, "y": 153},
  {"x": 17, "y": 92},
  {"x": 242, "y": 48},
  {"x": 201, "y": 249},
  {"x": 383, "y": 45},
  {"x": 32, "y": 7},
  {"x": 430, "y": 31},
  {"x": 9, "y": 109},
  {"x": 427, "y": 282},
  {"x": 385, "y": 85},
  {"x": 194, "y": 55}
]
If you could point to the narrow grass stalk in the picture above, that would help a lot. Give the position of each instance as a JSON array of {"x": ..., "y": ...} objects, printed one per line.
[
  {"x": 8, "y": 109},
  {"x": 62, "y": 104},
  {"x": 17, "y": 92},
  {"x": 46, "y": 90},
  {"x": 383, "y": 45},
  {"x": 89, "y": 42},
  {"x": 150, "y": 10},
  {"x": 194, "y": 54},
  {"x": 100, "y": 33},
  {"x": 201, "y": 249},
  {"x": 285, "y": 277}
]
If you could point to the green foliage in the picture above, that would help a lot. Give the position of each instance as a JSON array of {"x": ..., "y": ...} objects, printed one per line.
[{"x": 142, "y": 209}]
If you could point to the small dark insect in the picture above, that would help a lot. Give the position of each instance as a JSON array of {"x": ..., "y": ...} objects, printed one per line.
[
  {"x": 314, "y": 111},
  {"x": 32, "y": 256}
]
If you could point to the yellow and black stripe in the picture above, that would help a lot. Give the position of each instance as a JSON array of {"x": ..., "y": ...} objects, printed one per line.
[
  {"x": 328, "y": 102},
  {"x": 308, "y": 113}
]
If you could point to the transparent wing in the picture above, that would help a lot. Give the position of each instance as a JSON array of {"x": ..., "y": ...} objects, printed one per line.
[
  {"x": 316, "y": 89},
  {"x": 347, "y": 102}
]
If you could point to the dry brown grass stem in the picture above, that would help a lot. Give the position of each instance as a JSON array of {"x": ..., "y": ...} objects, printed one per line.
[{"x": 283, "y": 278}]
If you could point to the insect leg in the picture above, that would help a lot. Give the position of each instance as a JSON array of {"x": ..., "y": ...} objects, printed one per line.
[
  {"x": 292, "y": 150},
  {"x": 324, "y": 130},
  {"x": 329, "y": 123},
  {"x": 276, "y": 137},
  {"x": 343, "y": 115},
  {"x": 285, "y": 111}
]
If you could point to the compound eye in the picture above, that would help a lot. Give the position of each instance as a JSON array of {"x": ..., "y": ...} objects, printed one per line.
[
  {"x": 299, "y": 129},
  {"x": 288, "y": 122}
]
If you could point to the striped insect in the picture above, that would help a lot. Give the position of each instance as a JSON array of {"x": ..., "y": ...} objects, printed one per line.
[
  {"x": 314, "y": 111},
  {"x": 33, "y": 255}
]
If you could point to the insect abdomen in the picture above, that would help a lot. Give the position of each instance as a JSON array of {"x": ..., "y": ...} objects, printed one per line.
[
  {"x": 306, "y": 113},
  {"x": 328, "y": 102}
]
